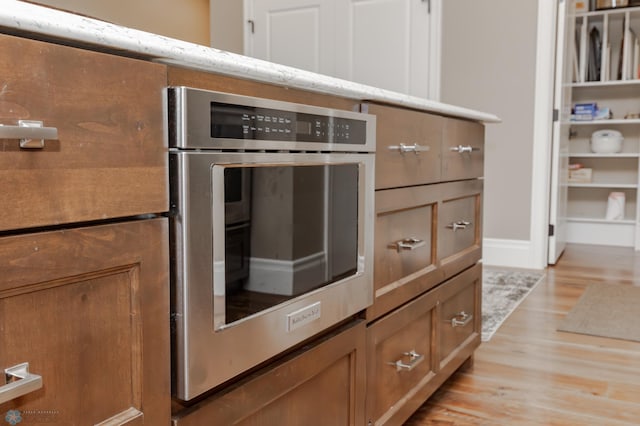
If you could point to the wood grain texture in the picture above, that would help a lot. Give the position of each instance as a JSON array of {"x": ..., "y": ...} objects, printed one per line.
[
  {"x": 220, "y": 83},
  {"x": 531, "y": 374},
  {"x": 395, "y": 126},
  {"x": 88, "y": 308},
  {"x": 323, "y": 384},
  {"x": 110, "y": 159}
]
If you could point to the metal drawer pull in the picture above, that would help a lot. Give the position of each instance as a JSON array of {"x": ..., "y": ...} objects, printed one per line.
[
  {"x": 407, "y": 244},
  {"x": 19, "y": 382},
  {"x": 462, "y": 149},
  {"x": 414, "y": 359},
  {"x": 461, "y": 224},
  {"x": 461, "y": 319},
  {"x": 415, "y": 148},
  {"x": 31, "y": 133}
]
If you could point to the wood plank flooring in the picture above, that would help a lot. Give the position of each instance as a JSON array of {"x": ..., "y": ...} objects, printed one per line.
[{"x": 531, "y": 374}]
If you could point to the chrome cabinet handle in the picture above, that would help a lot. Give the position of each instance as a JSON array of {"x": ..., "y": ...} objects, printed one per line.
[
  {"x": 415, "y": 148},
  {"x": 20, "y": 382},
  {"x": 461, "y": 224},
  {"x": 407, "y": 244},
  {"x": 462, "y": 149},
  {"x": 31, "y": 133},
  {"x": 461, "y": 319},
  {"x": 414, "y": 359}
]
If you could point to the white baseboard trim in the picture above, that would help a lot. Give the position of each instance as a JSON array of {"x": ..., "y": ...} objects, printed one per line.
[{"x": 508, "y": 253}]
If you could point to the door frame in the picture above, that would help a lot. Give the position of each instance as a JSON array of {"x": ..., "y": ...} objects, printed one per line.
[{"x": 543, "y": 132}]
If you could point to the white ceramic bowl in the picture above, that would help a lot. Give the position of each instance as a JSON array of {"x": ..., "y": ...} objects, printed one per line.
[{"x": 606, "y": 141}]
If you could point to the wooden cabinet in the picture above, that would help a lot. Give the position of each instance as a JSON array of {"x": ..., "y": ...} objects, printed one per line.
[
  {"x": 84, "y": 295},
  {"x": 87, "y": 308},
  {"x": 424, "y": 234},
  {"x": 425, "y": 320},
  {"x": 413, "y": 350},
  {"x": 110, "y": 156},
  {"x": 408, "y": 147},
  {"x": 322, "y": 384}
]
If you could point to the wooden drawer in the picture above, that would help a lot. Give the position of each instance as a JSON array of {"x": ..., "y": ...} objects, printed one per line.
[
  {"x": 462, "y": 150},
  {"x": 460, "y": 226},
  {"x": 87, "y": 308},
  {"x": 321, "y": 385},
  {"x": 408, "y": 147},
  {"x": 404, "y": 248},
  {"x": 393, "y": 373},
  {"x": 460, "y": 316},
  {"x": 110, "y": 157}
]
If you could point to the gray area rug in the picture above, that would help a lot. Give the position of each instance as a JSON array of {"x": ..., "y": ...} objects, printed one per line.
[
  {"x": 606, "y": 310},
  {"x": 502, "y": 292}
]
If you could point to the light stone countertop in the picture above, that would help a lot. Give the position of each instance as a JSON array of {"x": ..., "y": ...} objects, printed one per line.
[{"x": 40, "y": 22}]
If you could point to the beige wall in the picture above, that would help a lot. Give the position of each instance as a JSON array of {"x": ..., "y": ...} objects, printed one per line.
[
  {"x": 488, "y": 63},
  {"x": 185, "y": 20},
  {"x": 227, "y": 25}
]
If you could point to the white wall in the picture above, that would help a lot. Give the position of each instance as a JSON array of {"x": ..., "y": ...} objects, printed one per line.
[
  {"x": 489, "y": 64},
  {"x": 184, "y": 20}
]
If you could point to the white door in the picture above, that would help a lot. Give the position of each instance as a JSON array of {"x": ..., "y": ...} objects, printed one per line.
[
  {"x": 391, "y": 44},
  {"x": 297, "y": 33},
  {"x": 385, "y": 43},
  {"x": 561, "y": 127}
]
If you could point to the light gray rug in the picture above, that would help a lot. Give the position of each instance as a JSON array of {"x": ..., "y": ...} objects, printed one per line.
[
  {"x": 606, "y": 310},
  {"x": 502, "y": 292}
]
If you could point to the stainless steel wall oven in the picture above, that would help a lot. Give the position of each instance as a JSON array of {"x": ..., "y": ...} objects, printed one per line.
[{"x": 272, "y": 228}]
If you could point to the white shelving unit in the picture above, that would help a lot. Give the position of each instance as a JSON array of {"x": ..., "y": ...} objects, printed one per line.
[{"x": 615, "y": 86}]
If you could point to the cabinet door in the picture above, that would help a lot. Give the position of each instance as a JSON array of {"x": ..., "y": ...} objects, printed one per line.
[
  {"x": 405, "y": 246},
  {"x": 323, "y": 384},
  {"x": 400, "y": 363},
  {"x": 460, "y": 226},
  {"x": 88, "y": 309},
  {"x": 460, "y": 318},
  {"x": 298, "y": 33},
  {"x": 109, "y": 158},
  {"x": 385, "y": 43},
  {"x": 462, "y": 150},
  {"x": 408, "y": 146}
]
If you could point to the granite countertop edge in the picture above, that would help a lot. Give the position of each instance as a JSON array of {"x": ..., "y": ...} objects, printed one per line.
[{"x": 17, "y": 17}]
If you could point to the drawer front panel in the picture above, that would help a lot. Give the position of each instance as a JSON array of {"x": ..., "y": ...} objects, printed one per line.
[
  {"x": 408, "y": 147},
  {"x": 459, "y": 314},
  {"x": 404, "y": 249},
  {"x": 322, "y": 384},
  {"x": 460, "y": 226},
  {"x": 400, "y": 346},
  {"x": 462, "y": 150},
  {"x": 109, "y": 158}
]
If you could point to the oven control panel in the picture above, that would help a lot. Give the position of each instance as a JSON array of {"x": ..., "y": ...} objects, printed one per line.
[
  {"x": 203, "y": 119},
  {"x": 246, "y": 122}
]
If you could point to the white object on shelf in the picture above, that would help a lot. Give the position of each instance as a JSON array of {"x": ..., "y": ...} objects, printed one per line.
[
  {"x": 606, "y": 141},
  {"x": 615, "y": 206}
]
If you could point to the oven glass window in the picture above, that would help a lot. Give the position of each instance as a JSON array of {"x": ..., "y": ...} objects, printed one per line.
[{"x": 301, "y": 234}]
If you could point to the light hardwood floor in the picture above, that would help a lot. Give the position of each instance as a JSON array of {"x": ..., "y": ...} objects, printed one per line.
[{"x": 531, "y": 374}]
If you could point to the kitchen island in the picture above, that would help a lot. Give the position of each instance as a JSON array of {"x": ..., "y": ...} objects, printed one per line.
[{"x": 85, "y": 238}]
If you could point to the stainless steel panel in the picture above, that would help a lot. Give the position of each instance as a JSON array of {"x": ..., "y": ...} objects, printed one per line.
[{"x": 206, "y": 358}]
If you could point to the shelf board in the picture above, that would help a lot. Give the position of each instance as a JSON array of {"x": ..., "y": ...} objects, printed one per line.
[
  {"x": 602, "y": 12},
  {"x": 595, "y": 155},
  {"x": 601, "y": 221},
  {"x": 602, "y": 185},
  {"x": 604, "y": 122},
  {"x": 605, "y": 84}
]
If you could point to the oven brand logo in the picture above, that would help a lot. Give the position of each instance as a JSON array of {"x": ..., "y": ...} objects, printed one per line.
[{"x": 13, "y": 417}]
